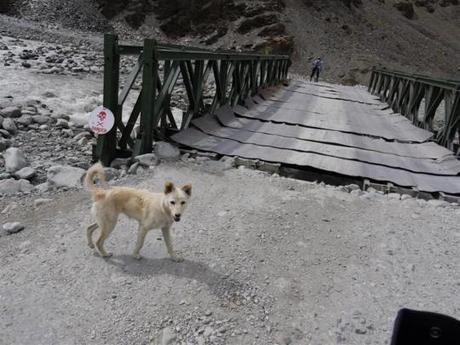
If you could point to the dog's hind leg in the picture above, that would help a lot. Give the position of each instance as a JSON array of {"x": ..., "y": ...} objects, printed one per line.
[
  {"x": 167, "y": 238},
  {"x": 106, "y": 229},
  {"x": 89, "y": 234},
  {"x": 140, "y": 241}
]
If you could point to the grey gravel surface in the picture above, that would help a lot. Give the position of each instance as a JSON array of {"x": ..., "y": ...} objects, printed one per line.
[{"x": 268, "y": 260}]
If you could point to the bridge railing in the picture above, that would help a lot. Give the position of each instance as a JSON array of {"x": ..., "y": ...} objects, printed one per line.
[
  {"x": 159, "y": 66},
  {"x": 432, "y": 104}
]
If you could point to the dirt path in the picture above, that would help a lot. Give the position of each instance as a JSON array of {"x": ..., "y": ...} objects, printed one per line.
[{"x": 269, "y": 260}]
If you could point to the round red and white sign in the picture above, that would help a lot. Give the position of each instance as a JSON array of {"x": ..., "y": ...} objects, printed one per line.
[{"x": 101, "y": 120}]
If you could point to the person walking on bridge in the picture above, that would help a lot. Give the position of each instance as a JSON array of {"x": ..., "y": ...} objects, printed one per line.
[{"x": 317, "y": 67}]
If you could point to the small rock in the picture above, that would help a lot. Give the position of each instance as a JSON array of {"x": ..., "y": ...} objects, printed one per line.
[
  {"x": 67, "y": 132},
  {"x": 65, "y": 176},
  {"x": 49, "y": 94},
  {"x": 25, "y": 173},
  {"x": 133, "y": 168},
  {"x": 360, "y": 331},
  {"x": 61, "y": 123},
  {"x": 229, "y": 162},
  {"x": 14, "y": 159},
  {"x": 40, "y": 119},
  {"x": 82, "y": 135},
  {"x": 147, "y": 160},
  {"x": 43, "y": 187},
  {"x": 111, "y": 174},
  {"x": 438, "y": 203},
  {"x": 357, "y": 192},
  {"x": 352, "y": 187},
  {"x": 24, "y": 120},
  {"x": 82, "y": 141},
  {"x": 208, "y": 331},
  {"x": 166, "y": 151},
  {"x": 394, "y": 196},
  {"x": 10, "y": 112},
  {"x": 12, "y": 228},
  {"x": 168, "y": 336},
  {"x": 9, "y": 125},
  {"x": 39, "y": 202},
  {"x": 4, "y": 133},
  {"x": 118, "y": 163},
  {"x": 4, "y": 144}
]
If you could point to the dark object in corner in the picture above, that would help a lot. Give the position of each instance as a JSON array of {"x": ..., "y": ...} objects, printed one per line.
[{"x": 425, "y": 328}]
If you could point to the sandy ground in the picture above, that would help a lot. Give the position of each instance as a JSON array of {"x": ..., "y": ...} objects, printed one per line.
[{"x": 268, "y": 260}]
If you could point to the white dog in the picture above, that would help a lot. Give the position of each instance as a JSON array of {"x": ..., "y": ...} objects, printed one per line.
[{"x": 151, "y": 210}]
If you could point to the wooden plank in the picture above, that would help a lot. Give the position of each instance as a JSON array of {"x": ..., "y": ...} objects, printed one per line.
[
  {"x": 428, "y": 183},
  {"x": 427, "y": 150},
  {"x": 339, "y": 117},
  {"x": 210, "y": 126}
]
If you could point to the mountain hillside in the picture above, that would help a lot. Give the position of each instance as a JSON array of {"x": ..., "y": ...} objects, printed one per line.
[{"x": 352, "y": 35}]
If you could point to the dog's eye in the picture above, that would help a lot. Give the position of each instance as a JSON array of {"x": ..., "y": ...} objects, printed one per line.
[
  {"x": 182, "y": 203},
  {"x": 173, "y": 202}
]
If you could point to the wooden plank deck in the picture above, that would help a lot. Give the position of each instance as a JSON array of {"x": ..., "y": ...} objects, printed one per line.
[{"x": 337, "y": 129}]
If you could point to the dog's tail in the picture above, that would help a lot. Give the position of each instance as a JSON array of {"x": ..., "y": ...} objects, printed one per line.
[{"x": 97, "y": 170}]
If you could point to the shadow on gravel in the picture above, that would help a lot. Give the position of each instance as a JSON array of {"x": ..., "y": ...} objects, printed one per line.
[{"x": 219, "y": 284}]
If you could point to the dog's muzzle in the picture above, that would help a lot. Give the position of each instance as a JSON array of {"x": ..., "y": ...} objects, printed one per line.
[{"x": 177, "y": 218}]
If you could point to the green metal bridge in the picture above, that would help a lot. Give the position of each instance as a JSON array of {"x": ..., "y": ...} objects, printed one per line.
[
  {"x": 237, "y": 76},
  {"x": 403, "y": 131}
]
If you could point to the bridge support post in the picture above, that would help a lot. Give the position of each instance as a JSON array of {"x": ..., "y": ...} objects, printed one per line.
[
  {"x": 149, "y": 83},
  {"x": 106, "y": 143}
]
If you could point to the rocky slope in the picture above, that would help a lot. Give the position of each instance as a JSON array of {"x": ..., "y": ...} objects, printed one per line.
[{"x": 352, "y": 35}]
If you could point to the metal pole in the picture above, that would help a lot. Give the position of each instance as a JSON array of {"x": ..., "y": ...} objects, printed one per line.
[{"x": 106, "y": 143}]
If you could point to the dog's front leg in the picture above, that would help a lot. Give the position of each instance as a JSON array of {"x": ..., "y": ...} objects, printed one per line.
[
  {"x": 142, "y": 231},
  {"x": 167, "y": 238}
]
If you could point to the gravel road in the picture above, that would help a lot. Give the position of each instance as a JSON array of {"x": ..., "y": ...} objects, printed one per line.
[{"x": 268, "y": 260}]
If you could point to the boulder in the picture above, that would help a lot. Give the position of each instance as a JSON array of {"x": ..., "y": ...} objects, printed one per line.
[
  {"x": 40, "y": 119},
  {"x": 43, "y": 187},
  {"x": 166, "y": 151},
  {"x": 133, "y": 169},
  {"x": 12, "y": 186},
  {"x": 168, "y": 336},
  {"x": 147, "y": 160},
  {"x": 61, "y": 123},
  {"x": 4, "y": 144},
  {"x": 9, "y": 125},
  {"x": 24, "y": 120},
  {"x": 4, "y": 133},
  {"x": 111, "y": 174},
  {"x": 25, "y": 173},
  {"x": 406, "y": 8},
  {"x": 12, "y": 228},
  {"x": 118, "y": 163},
  {"x": 11, "y": 111},
  {"x": 14, "y": 159},
  {"x": 65, "y": 176}
]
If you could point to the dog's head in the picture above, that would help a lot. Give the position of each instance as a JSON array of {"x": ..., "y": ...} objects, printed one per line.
[{"x": 177, "y": 199}]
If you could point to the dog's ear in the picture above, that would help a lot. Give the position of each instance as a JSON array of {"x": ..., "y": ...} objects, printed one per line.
[
  {"x": 169, "y": 187},
  {"x": 187, "y": 189}
]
